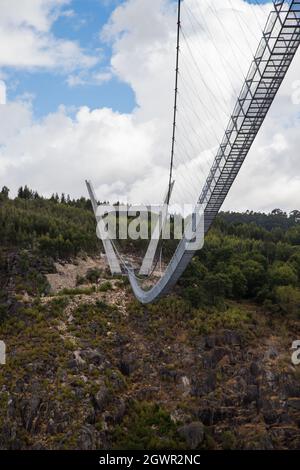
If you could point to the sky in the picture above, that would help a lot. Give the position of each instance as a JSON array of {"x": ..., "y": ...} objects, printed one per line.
[{"x": 86, "y": 92}]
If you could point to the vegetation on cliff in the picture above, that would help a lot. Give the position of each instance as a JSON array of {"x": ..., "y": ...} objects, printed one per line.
[{"x": 88, "y": 367}]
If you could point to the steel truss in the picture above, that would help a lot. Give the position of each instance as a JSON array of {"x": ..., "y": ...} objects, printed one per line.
[{"x": 274, "y": 55}]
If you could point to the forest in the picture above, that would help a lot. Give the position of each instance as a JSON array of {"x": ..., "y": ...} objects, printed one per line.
[
  {"x": 247, "y": 255},
  {"x": 208, "y": 367}
]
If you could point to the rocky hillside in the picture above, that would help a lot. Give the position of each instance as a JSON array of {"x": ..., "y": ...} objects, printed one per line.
[{"x": 88, "y": 367}]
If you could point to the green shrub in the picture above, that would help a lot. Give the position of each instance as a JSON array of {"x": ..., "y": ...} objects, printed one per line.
[
  {"x": 205, "y": 322},
  {"x": 147, "y": 426},
  {"x": 288, "y": 299},
  {"x": 105, "y": 287}
]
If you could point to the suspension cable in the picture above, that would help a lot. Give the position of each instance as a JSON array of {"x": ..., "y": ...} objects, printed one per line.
[{"x": 175, "y": 100}]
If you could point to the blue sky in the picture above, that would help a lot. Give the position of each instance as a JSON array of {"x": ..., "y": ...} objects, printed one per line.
[{"x": 49, "y": 88}]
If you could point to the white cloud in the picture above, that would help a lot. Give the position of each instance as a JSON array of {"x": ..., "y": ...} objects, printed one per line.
[
  {"x": 37, "y": 14},
  {"x": 102, "y": 77},
  {"x": 128, "y": 154},
  {"x": 90, "y": 78},
  {"x": 2, "y": 92},
  {"x": 60, "y": 152},
  {"x": 75, "y": 80},
  {"x": 26, "y": 40}
]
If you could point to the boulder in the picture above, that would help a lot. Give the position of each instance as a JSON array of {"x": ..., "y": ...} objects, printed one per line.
[
  {"x": 128, "y": 364},
  {"x": 30, "y": 412},
  {"x": 101, "y": 398},
  {"x": 87, "y": 439},
  {"x": 251, "y": 395},
  {"x": 294, "y": 403},
  {"x": 271, "y": 353},
  {"x": 255, "y": 369},
  {"x": 193, "y": 434}
]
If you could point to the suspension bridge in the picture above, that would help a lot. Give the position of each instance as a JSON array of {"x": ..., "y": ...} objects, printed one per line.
[{"x": 280, "y": 39}]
